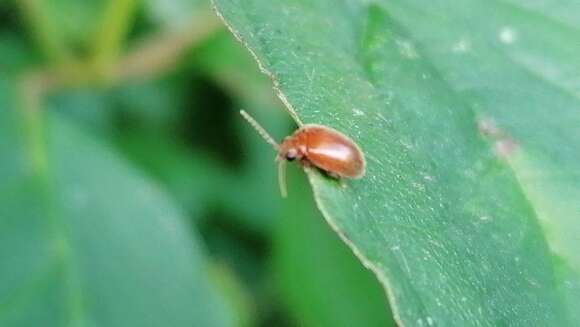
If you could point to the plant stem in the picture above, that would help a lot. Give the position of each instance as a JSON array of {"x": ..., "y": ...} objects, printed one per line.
[
  {"x": 162, "y": 51},
  {"x": 117, "y": 18},
  {"x": 43, "y": 30},
  {"x": 30, "y": 98}
]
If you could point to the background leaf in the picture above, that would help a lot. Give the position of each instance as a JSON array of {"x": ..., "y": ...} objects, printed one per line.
[
  {"x": 320, "y": 278},
  {"x": 175, "y": 13},
  {"x": 87, "y": 240},
  {"x": 458, "y": 212}
]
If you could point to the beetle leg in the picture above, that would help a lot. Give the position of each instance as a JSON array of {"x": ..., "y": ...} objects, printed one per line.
[
  {"x": 305, "y": 163},
  {"x": 282, "y": 178},
  {"x": 333, "y": 175},
  {"x": 337, "y": 177}
]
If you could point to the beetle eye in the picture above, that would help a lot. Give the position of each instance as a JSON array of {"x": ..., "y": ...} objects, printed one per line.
[{"x": 291, "y": 154}]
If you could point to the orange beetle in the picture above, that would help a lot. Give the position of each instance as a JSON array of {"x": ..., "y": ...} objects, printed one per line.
[{"x": 316, "y": 145}]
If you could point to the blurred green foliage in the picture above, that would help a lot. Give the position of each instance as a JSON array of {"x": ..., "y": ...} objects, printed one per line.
[{"x": 133, "y": 195}]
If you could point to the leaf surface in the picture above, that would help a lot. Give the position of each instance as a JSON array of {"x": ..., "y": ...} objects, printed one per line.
[
  {"x": 88, "y": 241},
  {"x": 468, "y": 117}
]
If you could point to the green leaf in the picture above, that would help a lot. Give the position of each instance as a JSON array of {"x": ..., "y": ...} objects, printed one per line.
[
  {"x": 320, "y": 279},
  {"x": 77, "y": 21},
  {"x": 16, "y": 53},
  {"x": 88, "y": 241},
  {"x": 194, "y": 180},
  {"x": 175, "y": 13},
  {"x": 467, "y": 114},
  {"x": 60, "y": 26}
]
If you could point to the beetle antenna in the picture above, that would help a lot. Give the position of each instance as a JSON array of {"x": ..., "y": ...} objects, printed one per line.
[
  {"x": 282, "y": 177},
  {"x": 260, "y": 129}
]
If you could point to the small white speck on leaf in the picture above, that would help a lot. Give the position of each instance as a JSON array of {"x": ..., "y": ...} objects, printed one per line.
[
  {"x": 407, "y": 49},
  {"x": 461, "y": 46},
  {"x": 429, "y": 321},
  {"x": 504, "y": 144},
  {"x": 428, "y": 177},
  {"x": 533, "y": 282},
  {"x": 418, "y": 186},
  {"x": 390, "y": 96},
  {"x": 505, "y": 147},
  {"x": 358, "y": 112},
  {"x": 507, "y": 35},
  {"x": 406, "y": 144},
  {"x": 488, "y": 126}
]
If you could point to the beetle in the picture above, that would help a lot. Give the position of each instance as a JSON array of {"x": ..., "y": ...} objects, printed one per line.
[{"x": 315, "y": 145}]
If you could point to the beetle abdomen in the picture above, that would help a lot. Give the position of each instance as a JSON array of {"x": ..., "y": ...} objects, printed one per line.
[{"x": 333, "y": 152}]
